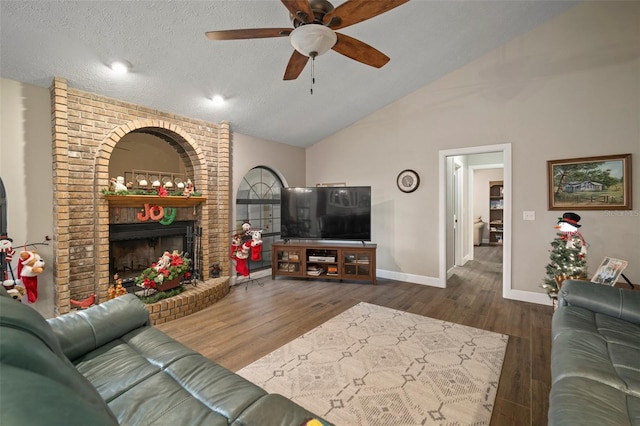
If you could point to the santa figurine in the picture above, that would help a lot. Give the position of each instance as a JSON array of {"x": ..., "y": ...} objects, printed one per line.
[
  {"x": 239, "y": 254},
  {"x": 256, "y": 244},
  {"x": 30, "y": 266}
]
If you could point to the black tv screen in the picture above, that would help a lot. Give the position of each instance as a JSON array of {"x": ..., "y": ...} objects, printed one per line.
[{"x": 331, "y": 213}]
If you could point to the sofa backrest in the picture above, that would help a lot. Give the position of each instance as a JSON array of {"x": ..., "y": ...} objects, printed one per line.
[
  {"x": 84, "y": 331},
  {"x": 40, "y": 386},
  {"x": 615, "y": 302}
]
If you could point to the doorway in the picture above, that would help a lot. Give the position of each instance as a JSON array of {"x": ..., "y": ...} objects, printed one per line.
[{"x": 456, "y": 190}]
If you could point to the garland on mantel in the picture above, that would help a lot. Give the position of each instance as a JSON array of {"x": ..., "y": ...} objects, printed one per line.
[{"x": 145, "y": 192}]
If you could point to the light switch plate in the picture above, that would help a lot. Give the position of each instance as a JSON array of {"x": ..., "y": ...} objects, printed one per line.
[{"x": 528, "y": 215}]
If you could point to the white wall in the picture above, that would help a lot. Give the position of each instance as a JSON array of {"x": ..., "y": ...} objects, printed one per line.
[
  {"x": 249, "y": 152},
  {"x": 569, "y": 88},
  {"x": 26, "y": 170}
]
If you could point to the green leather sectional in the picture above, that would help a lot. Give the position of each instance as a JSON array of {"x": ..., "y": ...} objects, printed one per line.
[
  {"x": 106, "y": 366},
  {"x": 595, "y": 356}
]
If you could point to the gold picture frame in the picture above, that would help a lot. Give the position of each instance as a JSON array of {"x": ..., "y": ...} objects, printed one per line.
[{"x": 590, "y": 183}]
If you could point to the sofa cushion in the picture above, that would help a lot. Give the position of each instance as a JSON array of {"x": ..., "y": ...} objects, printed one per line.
[
  {"x": 595, "y": 367},
  {"x": 146, "y": 371},
  {"x": 582, "y": 401}
]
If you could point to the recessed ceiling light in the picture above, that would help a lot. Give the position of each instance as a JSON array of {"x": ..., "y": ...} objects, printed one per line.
[
  {"x": 217, "y": 100},
  {"x": 120, "y": 67}
]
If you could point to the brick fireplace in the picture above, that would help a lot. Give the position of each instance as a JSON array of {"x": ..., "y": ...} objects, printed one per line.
[{"x": 86, "y": 129}]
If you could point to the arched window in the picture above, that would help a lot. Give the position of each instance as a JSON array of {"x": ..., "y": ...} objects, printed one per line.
[{"x": 258, "y": 202}]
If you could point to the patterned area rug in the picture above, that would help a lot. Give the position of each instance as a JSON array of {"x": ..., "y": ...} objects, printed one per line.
[{"x": 377, "y": 366}]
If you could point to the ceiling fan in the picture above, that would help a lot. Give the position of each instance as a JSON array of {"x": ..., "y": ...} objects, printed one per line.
[{"x": 313, "y": 33}]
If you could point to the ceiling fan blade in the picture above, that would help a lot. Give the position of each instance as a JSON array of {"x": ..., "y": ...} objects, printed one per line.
[
  {"x": 354, "y": 11},
  {"x": 359, "y": 51},
  {"x": 300, "y": 9},
  {"x": 295, "y": 66},
  {"x": 248, "y": 33}
]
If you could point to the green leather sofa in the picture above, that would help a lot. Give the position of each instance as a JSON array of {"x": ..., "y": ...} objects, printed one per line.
[
  {"x": 106, "y": 366},
  {"x": 595, "y": 356}
]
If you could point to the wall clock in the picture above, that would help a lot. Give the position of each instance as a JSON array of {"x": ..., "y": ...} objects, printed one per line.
[{"x": 408, "y": 180}]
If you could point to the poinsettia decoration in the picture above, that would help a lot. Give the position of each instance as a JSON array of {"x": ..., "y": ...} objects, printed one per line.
[{"x": 168, "y": 267}]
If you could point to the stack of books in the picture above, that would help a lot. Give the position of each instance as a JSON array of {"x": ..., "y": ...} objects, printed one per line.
[
  {"x": 332, "y": 270},
  {"x": 314, "y": 270}
]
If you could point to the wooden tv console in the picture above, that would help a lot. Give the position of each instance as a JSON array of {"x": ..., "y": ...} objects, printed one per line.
[{"x": 324, "y": 260}]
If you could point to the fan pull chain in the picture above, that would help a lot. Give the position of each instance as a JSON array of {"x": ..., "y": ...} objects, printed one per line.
[{"x": 313, "y": 74}]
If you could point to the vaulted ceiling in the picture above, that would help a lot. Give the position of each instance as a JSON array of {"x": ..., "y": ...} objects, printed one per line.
[{"x": 177, "y": 69}]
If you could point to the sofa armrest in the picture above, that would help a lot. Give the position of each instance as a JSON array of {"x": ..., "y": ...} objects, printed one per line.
[
  {"x": 83, "y": 331},
  {"x": 612, "y": 301}
]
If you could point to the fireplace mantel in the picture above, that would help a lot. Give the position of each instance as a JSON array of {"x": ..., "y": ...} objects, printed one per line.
[{"x": 141, "y": 200}]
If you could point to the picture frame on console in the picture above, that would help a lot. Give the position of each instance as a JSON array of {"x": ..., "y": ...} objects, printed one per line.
[
  {"x": 609, "y": 271},
  {"x": 590, "y": 183}
]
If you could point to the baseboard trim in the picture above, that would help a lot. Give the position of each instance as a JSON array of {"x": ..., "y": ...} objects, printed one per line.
[
  {"x": 528, "y": 296},
  {"x": 519, "y": 295},
  {"x": 410, "y": 278}
]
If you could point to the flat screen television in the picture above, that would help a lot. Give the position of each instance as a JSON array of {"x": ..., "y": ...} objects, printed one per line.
[{"x": 326, "y": 213}]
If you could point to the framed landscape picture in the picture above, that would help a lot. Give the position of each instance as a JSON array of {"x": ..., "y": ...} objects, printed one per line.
[{"x": 590, "y": 183}]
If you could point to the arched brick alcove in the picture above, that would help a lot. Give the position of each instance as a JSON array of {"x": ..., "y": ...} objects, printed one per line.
[{"x": 86, "y": 129}]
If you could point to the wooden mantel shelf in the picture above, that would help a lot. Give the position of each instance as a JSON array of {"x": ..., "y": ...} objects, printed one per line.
[{"x": 141, "y": 200}]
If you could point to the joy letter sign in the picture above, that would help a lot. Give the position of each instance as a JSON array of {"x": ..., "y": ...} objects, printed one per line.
[{"x": 164, "y": 215}]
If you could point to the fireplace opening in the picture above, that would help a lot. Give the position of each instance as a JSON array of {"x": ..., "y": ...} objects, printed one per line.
[
  {"x": 130, "y": 258},
  {"x": 133, "y": 247}
]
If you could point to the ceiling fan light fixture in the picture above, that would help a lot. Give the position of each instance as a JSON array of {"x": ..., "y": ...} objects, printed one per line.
[{"x": 312, "y": 39}]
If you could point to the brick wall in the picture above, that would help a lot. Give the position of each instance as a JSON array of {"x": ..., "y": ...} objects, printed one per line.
[{"x": 86, "y": 128}]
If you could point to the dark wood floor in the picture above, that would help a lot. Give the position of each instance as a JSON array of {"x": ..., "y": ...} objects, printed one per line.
[{"x": 254, "y": 320}]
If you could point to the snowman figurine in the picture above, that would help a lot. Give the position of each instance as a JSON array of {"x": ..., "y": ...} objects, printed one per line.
[
  {"x": 568, "y": 225},
  {"x": 118, "y": 184}
]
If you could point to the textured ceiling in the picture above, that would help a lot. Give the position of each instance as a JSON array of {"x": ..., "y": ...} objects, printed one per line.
[{"x": 177, "y": 69}]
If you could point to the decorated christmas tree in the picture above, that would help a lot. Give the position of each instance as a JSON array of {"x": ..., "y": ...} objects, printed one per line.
[{"x": 567, "y": 255}]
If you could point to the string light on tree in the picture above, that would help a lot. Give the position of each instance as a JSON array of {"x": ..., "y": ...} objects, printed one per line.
[{"x": 567, "y": 255}]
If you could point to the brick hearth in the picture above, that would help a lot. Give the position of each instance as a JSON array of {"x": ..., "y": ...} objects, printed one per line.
[
  {"x": 86, "y": 128},
  {"x": 192, "y": 300}
]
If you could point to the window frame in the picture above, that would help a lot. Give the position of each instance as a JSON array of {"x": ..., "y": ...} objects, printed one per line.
[{"x": 250, "y": 184}]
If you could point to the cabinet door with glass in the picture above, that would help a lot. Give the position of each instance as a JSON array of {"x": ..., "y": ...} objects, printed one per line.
[
  {"x": 357, "y": 265},
  {"x": 287, "y": 261}
]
